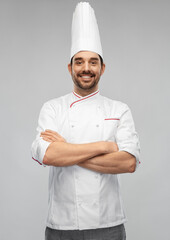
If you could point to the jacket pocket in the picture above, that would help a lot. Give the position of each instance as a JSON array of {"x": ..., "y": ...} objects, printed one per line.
[{"x": 110, "y": 128}]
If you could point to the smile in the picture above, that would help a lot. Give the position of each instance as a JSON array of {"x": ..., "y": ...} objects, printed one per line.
[{"x": 86, "y": 77}]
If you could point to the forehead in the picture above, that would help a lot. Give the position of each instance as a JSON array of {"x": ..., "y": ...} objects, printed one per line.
[{"x": 86, "y": 55}]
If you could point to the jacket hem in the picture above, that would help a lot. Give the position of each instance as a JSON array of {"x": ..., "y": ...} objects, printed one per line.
[{"x": 113, "y": 224}]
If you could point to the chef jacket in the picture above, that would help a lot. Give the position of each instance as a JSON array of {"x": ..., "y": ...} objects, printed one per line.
[{"x": 80, "y": 198}]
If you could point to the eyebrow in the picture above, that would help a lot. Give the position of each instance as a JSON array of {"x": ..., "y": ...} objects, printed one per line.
[
  {"x": 93, "y": 58},
  {"x": 76, "y": 59}
]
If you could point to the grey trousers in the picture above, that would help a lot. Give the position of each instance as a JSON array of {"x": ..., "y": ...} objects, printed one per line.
[{"x": 111, "y": 233}]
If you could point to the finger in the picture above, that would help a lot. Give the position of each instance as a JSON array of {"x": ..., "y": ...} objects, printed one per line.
[
  {"x": 51, "y": 131},
  {"x": 56, "y": 134},
  {"x": 51, "y": 139},
  {"x": 116, "y": 148},
  {"x": 53, "y": 136},
  {"x": 47, "y": 139},
  {"x": 49, "y": 134},
  {"x": 46, "y": 134}
]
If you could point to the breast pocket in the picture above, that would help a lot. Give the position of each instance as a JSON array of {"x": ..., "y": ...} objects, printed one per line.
[{"x": 110, "y": 128}]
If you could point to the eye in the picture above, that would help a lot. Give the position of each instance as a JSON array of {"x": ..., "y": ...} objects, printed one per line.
[
  {"x": 78, "y": 62},
  {"x": 94, "y": 62}
]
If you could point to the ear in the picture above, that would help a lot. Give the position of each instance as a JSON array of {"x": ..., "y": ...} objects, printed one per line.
[
  {"x": 103, "y": 69},
  {"x": 69, "y": 68}
]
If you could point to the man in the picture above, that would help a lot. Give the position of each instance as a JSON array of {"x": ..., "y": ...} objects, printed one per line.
[{"x": 86, "y": 139}]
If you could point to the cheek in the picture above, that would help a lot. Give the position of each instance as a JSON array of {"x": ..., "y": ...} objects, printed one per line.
[
  {"x": 98, "y": 73},
  {"x": 97, "y": 70},
  {"x": 75, "y": 71}
]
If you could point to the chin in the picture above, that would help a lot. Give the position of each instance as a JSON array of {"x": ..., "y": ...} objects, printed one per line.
[{"x": 87, "y": 86}]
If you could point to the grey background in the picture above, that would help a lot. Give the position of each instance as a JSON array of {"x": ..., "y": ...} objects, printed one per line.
[{"x": 34, "y": 52}]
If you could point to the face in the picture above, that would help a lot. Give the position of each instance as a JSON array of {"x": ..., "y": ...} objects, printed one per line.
[{"x": 86, "y": 70}]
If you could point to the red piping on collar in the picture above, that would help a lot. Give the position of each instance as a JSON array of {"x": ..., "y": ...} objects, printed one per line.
[
  {"x": 112, "y": 118},
  {"x": 76, "y": 95},
  {"x": 84, "y": 98},
  {"x": 36, "y": 161}
]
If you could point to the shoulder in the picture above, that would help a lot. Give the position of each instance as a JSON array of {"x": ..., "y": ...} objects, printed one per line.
[
  {"x": 56, "y": 104},
  {"x": 117, "y": 105}
]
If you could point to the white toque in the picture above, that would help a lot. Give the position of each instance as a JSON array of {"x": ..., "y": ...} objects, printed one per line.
[{"x": 85, "y": 32}]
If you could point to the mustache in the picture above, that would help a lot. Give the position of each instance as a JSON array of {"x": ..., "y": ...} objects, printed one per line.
[{"x": 86, "y": 73}]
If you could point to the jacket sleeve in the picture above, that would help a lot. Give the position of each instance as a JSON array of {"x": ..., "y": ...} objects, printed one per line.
[
  {"x": 126, "y": 137},
  {"x": 47, "y": 120}
]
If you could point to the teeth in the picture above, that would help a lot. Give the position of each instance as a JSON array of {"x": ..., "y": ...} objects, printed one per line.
[{"x": 86, "y": 76}]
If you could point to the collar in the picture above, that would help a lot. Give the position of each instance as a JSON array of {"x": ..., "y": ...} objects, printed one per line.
[{"x": 80, "y": 98}]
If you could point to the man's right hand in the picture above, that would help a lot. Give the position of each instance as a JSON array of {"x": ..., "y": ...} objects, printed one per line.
[{"x": 113, "y": 147}]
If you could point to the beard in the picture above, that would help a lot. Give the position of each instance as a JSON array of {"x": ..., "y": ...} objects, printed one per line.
[{"x": 86, "y": 85}]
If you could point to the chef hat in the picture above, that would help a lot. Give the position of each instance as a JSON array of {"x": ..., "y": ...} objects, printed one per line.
[{"x": 85, "y": 32}]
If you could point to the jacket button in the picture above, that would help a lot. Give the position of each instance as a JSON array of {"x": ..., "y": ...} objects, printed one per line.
[
  {"x": 97, "y": 125},
  {"x": 72, "y": 126}
]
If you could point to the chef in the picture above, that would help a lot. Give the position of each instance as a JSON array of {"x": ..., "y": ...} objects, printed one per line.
[{"x": 87, "y": 140}]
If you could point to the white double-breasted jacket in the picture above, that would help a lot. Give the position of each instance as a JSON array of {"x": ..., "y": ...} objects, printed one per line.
[{"x": 80, "y": 198}]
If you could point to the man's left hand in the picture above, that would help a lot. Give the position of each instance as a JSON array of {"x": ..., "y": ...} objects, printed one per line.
[{"x": 52, "y": 136}]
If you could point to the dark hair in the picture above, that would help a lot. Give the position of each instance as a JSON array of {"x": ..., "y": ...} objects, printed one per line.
[{"x": 101, "y": 60}]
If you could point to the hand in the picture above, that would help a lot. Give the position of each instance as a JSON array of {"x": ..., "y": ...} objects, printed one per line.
[
  {"x": 113, "y": 147},
  {"x": 52, "y": 136}
]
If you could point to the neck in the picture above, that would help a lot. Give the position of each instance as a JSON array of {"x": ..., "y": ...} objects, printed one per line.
[{"x": 85, "y": 92}]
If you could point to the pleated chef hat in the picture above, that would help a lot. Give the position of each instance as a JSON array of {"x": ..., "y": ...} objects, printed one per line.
[{"x": 85, "y": 32}]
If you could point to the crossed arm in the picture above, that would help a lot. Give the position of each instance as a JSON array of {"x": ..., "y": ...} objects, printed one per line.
[{"x": 103, "y": 156}]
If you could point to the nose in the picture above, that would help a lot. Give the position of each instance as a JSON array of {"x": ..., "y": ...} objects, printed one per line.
[{"x": 86, "y": 66}]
